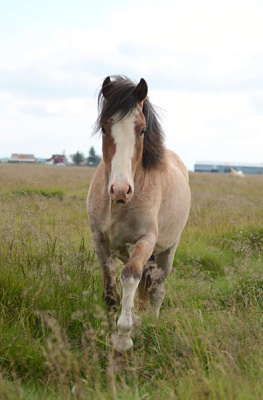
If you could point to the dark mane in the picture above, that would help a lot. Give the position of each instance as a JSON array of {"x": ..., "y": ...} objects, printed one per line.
[{"x": 121, "y": 99}]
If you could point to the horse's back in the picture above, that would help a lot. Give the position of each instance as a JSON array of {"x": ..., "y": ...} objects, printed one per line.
[
  {"x": 175, "y": 160},
  {"x": 175, "y": 201}
]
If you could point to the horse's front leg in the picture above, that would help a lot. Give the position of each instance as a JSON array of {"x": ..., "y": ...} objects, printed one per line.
[
  {"x": 130, "y": 278},
  {"x": 110, "y": 291}
]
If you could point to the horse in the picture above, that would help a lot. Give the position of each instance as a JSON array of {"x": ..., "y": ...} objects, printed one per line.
[
  {"x": 138, "y": 203},
  {"x": 239, "y": 174}
]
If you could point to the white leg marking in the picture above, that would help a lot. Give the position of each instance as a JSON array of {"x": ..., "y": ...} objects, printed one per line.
[{"x": 123, "y": 342}]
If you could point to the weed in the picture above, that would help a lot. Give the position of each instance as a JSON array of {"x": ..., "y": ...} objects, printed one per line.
[{"x": 39, "y": 192}]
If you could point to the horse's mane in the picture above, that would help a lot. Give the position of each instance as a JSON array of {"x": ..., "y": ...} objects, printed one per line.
[{"x": 121, "y": 100}]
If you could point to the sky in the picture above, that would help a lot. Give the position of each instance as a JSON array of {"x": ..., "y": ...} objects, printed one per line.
[{"x": 202, "y": 60}]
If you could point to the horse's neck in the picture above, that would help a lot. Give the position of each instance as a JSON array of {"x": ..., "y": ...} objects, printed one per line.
[{"x": 139, "y": 177}]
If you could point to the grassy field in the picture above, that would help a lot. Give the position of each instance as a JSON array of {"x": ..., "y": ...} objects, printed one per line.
[{"x": 54, "y": 334}]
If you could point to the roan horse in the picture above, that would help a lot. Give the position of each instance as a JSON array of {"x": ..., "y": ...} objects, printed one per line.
[{"x": 138, "y": 203}]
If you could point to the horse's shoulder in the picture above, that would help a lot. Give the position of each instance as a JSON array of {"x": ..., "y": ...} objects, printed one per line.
[
  {"x": 98, "y": 179},
  {"x": 175, "y": 160},
  {"x": 96, "y": 194}
]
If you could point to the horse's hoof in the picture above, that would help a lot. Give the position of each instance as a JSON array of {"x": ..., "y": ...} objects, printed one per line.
[{"x": 121, "y": 344}]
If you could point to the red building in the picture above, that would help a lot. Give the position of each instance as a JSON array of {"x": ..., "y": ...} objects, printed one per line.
[{"x": 57, "y": 159}]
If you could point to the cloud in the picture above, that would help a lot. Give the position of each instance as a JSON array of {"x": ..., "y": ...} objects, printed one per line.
[
  {"x": 37, "y": 110},
  {"x": 203, "y": 63},
  {"x": 38, "y": 84},
  {"x": 79, "y": 76},
  {"x": 256, "y": 104},
  {"x": 223, "y": 124}
]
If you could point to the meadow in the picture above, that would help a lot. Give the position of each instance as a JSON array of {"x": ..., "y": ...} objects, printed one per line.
[{"x": 54, "y": 333}]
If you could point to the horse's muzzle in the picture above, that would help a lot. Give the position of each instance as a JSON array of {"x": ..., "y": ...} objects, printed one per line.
[{"x": 120, "y": 192}]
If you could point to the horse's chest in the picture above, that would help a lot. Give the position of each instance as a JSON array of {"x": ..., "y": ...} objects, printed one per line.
[{"x": 122, "y": 232}]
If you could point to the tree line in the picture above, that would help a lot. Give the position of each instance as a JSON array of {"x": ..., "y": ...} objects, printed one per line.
[{"x": 92, "y": 160}]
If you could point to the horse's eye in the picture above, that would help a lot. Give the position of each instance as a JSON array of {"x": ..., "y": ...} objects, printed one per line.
[
  {"x": 143, "y": 131},
  {"x": 103, "y": 130}
]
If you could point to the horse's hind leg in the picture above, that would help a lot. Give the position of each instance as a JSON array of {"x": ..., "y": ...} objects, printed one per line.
[
  {"x": 145, "y": 284},
  {"x": 158, "y": 275},
  {"x": 110, "y": 291}
]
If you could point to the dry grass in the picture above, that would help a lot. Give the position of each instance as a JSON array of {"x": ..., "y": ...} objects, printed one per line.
[{"x": 208, "y": 342}]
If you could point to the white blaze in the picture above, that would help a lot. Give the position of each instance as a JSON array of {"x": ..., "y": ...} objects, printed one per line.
[{"x": 124, "y": 138}]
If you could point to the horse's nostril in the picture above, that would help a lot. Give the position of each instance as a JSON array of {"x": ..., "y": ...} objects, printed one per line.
[{"x": 120, "y": 191}]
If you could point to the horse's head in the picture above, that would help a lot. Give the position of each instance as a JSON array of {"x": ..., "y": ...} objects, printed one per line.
[{"x": 123, "y": 125}]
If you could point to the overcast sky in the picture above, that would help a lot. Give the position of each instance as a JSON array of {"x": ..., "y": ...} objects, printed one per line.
[{"x": 203, "y": 61}]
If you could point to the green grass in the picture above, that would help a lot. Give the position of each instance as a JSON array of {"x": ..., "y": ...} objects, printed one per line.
[
  {"x": 54, "y": 333},
  {"x": 39, "y": 192}
]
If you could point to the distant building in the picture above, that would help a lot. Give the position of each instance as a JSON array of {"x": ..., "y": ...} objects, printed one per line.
[
  {"x": 57, "y": 159},
  {"x": 225, "y": 167},
  {"x": 41, "y": 160},
  {"x": 22, "y": 159}
]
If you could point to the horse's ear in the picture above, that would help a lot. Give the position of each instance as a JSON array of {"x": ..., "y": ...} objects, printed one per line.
[
  {"x": 141, "y": 90},
  {"x": 106, "y": 87}
]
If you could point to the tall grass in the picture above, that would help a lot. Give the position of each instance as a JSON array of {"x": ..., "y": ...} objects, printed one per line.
[{"x": 54, "y": 333}]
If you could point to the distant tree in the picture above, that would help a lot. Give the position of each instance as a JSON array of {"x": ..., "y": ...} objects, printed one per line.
[
  {"x": 93, "y": 158},
  {"x": 78, "y": 157},
  {"x": 92, "y": 152}
]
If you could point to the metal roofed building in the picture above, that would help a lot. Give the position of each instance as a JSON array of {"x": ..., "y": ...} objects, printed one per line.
[
  {"x": 22, "y": 159},
  {"x": 225, "y": 167}
]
